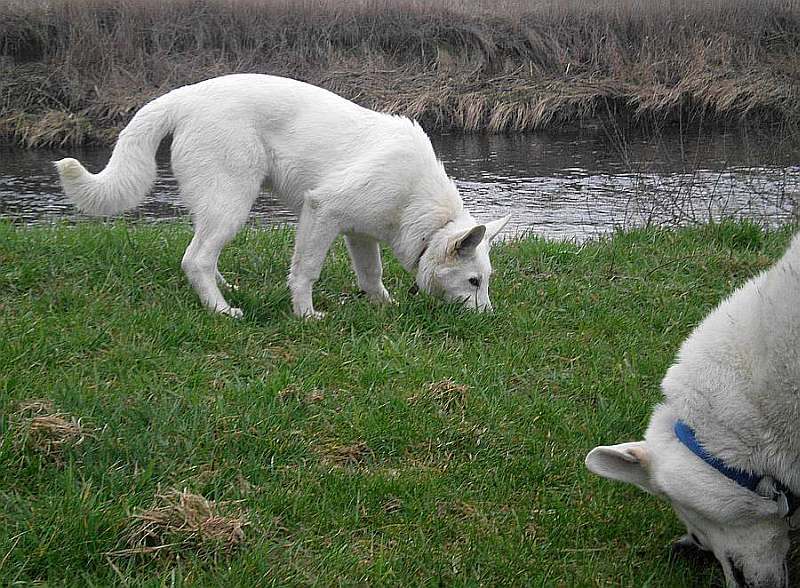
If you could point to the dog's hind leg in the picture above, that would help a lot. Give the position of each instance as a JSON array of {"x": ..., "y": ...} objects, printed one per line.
[
  {"x": 217, "y": 221},
  {"x": 365, "y": 254},
  {"x": 315, "y": 234}
]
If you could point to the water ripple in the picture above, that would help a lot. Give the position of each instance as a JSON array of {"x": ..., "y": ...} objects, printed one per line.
[{"x": 560, "y": 188}]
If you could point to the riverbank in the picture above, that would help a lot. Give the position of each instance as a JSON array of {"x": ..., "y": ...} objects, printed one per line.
[
  {"x": 73, "y": 73},
  {"x": 405, "y": 445}
]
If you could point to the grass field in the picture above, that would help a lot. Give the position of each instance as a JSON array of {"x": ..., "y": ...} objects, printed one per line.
[
  {"x": 409, "y": 445},
  {"x": 74, "y": 71}
]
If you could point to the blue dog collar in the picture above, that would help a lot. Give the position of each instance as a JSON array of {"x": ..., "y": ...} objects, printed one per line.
[{"x": 685, "y": 435}]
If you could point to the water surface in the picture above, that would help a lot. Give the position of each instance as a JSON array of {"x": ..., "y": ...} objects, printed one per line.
[{"x": 564, "y": 186}]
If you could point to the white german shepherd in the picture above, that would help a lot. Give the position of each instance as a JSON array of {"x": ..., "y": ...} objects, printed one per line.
[
  {"x": 724, "y": 446},
  {"x": 342, "y": 168}
]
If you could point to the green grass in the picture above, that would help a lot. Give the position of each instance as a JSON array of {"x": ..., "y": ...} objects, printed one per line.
[{"x": 488, "y": 491}]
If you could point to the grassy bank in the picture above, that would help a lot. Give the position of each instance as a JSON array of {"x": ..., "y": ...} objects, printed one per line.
[
  {"x": 407, "y": 445},
  {"x": 73, "y": 71}
]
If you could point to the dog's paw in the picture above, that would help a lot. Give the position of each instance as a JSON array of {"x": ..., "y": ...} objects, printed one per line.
[
  {"x": 232, "y": 312},
  {"x": 380, "y": 297},
  {"x": 307, "y": 312}
]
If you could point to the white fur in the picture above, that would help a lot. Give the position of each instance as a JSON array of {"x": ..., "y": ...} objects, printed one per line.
[
  {"x": 736, "y": 381},
  {"x": 344, "y": 170}
]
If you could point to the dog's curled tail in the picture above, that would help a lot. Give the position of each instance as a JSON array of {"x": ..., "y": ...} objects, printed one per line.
[{"x": 130, "y": 172}]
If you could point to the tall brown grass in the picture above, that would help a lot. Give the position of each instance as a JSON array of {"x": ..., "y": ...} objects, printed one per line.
[{"x": 75, "y": 70}]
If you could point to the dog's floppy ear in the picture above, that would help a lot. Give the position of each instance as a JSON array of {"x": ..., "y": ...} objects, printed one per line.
[
  {"x": 626, "y": 462},
  {"x": 466, "y": 243},
  {"x": 493, "y": 228}
]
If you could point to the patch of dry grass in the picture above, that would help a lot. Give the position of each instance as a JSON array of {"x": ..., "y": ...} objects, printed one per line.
[
  {"x": 39, "y": 427},
  {"x": 458, "y": 508},
  {"x": 180, "y": 520},
  {"x": 295, "y": 393},
  {"x": 351, "y": 455},
  {"x": 446, "y": 394}
]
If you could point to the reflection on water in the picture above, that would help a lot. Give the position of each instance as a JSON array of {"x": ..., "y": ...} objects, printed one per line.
[
  {"x": 575, "y": 186},
  {"x": 559, "y": 186}
]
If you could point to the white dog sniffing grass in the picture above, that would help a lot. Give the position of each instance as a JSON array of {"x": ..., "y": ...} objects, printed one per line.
[
  {"x": 342, "y": 168},
  {"x": 724, "y": 446}
]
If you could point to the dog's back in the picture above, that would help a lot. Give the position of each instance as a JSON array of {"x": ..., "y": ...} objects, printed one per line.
[
  {"x": 299, "y": 138},
  {"x": 738, "y": 373}
]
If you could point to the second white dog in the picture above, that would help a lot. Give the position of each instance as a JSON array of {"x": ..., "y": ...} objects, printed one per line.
[
  {"x": 344, "y": 169},
  {"x": 724, "y": 446}
]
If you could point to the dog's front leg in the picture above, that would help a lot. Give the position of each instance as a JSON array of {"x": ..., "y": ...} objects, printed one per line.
[
  {"x": 365, "y": 253},
  {"x": 314, "y": 238}
]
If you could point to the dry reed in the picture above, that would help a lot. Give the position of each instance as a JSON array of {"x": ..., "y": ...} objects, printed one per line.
[{"x": 464, "y": 64}]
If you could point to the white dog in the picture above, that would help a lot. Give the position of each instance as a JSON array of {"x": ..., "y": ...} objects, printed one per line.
[
  {"x": 724, "y": 446},
  {"x": 340, "y": 167}
]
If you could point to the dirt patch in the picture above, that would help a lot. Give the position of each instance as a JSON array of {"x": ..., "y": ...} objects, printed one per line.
[
  {"x": 294, "y": 393},
  {"x": 457, "y": 509}
]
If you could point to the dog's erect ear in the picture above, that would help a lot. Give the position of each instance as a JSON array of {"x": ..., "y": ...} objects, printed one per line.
[
  {"x": 493, "y": 228},
  {"x": 466, "y": 243},
  {"x": 626, "y": 462}
]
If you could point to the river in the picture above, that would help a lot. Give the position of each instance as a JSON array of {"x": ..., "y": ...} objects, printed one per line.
[{"x": 560, "y": 186}]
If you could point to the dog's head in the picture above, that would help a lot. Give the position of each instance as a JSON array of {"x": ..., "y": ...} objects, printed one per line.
[
  {"x": 456, "y": 264},
  {"x": 747, "y": 531}
]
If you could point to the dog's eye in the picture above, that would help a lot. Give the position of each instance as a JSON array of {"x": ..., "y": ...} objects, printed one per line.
[{"x": 475, "y": 281}]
